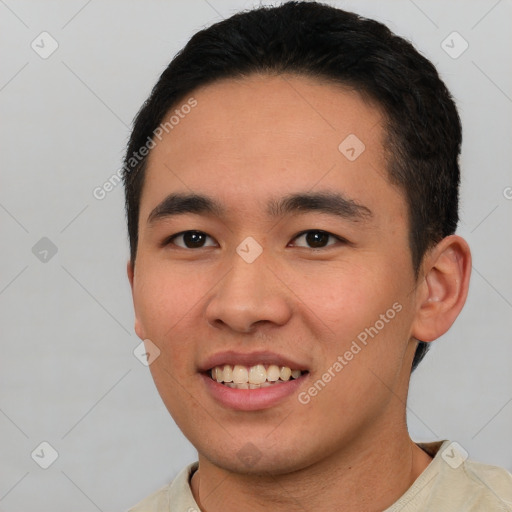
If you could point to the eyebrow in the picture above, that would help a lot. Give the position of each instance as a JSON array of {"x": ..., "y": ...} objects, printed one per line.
[{"x": 331, "y": 203}]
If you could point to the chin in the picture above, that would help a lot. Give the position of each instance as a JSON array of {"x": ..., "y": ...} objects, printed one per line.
[{"x": 262, "y": 456}]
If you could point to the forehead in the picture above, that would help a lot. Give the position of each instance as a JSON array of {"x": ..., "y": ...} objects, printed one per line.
[
  {"x": 249, "y": 136},
  {"x": 258, "y": 114}
]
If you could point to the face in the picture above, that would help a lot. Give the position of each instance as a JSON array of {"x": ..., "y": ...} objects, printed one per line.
[{"x": 295, "y": 256}]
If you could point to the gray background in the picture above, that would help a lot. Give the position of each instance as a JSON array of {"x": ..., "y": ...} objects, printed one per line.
[{"x": 68, "y": 375}]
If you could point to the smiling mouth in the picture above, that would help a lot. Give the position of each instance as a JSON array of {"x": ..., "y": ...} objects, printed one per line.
[{"x": 253, "y": 377}]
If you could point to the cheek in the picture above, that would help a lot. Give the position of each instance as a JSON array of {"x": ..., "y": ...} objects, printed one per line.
[
  {"x": 358, "y": 312},
  {"x": 164, "y": 298},
  {"x": 343, "y": 297}
]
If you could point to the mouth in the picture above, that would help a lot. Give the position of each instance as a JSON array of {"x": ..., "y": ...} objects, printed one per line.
[
  {"x": 257, "y": 376},
  {"x": 252, "y": 381}
]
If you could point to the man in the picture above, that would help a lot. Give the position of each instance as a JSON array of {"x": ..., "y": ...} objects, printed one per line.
[{"x": 292, "y": 198}]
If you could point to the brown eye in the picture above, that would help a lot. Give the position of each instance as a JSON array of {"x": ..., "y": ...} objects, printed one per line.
[
  {"x": 316, "y": 239},
  {"x": 190, "y": 240}
]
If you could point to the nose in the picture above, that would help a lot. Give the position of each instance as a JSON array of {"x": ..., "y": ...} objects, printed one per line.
[{"x": 249, "y": 294}]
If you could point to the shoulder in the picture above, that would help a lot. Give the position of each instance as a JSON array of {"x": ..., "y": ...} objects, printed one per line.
[
  {"x": 156, "y": 502},
  {"x": 484, "y": 486},
  {"x": 174, "y": 496},
  {"x": 453, "y": 482}
]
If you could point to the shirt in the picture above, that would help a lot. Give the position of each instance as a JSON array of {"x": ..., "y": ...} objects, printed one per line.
[{"x": 450, "y": 483}]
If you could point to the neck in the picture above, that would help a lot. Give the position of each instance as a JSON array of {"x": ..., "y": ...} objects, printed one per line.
[{"x": 361, "y": 477}]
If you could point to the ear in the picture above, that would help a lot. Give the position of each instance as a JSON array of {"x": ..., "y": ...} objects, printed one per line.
[
  {"x": 130, "y": 271},
  {"x": 442, "y": 289}
]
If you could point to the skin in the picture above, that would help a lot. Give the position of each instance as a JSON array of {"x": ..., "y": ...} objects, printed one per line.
[{"x": 249, "y": 140}]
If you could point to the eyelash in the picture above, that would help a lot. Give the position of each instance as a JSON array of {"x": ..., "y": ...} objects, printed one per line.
[{"x": 169, "y": 240}]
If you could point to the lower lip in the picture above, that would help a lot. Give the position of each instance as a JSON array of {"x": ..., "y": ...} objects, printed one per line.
[{"x": 252, "y": 399}]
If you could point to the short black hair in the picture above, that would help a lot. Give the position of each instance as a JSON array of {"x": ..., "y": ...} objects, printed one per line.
[{"x": 423, "y": 129}]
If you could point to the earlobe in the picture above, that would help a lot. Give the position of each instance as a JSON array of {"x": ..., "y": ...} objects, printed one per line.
[{"x": 443, "y": 292}]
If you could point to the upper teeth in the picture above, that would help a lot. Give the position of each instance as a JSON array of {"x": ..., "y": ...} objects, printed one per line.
[{"x": 257, "y": 374}]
